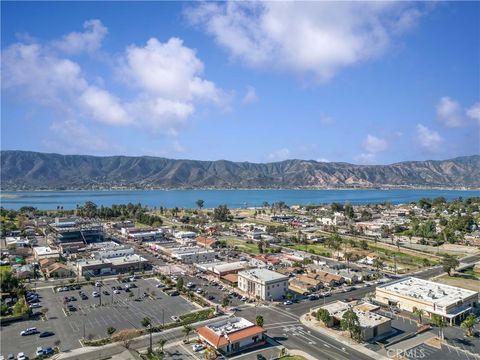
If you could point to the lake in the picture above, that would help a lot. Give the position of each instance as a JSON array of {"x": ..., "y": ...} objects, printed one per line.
[{"x": 233, "y": 198}]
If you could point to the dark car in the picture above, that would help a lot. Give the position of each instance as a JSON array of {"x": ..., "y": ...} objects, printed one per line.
[
  {"x": 211, "y": 297},
  {"x": 105, "y": 292},
  {"x": 84, "y": 297},
  {"x": 261, "y": 357},
  {"x": 46, "y": 334},
  {"x": 78, "y": 287},
  {"x": 48, "y": 351},
  {"x": 73, "y": 298},
  {"x": 71, "y": 308},
  {"x": 174, "y": 293}
]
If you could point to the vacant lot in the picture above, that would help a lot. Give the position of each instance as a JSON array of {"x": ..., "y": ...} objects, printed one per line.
[{"x": 464, "y": 281}]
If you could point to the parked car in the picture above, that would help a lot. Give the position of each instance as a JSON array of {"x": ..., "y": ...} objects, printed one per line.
[
  {"x": 198, "y": 347},
  {"x": 160, "y": 285},
  {"x": 35, "y": 306},
  {"x": 175, "y": 318},
  {"x": 211, "y": 297},
  {"x": 11, "y": 357},
  {"x": 73, "y": 298},
  {"x": 288, "y": 302},
  {"x": 199, "y": 291},
  {"x": 95, "y": 294},
  {"x": 39, "y": 351},
  {"x": 243, "y": 298},
  {"x": 29, "y": 331},
  {"x": 84, "y": 297},
  {"x": 116, "y": 292},
  {"x": 48, "y": 351},
  {"x": 105, "y": 292},
  {"x": 22, "y": 356},
  {"x": 46, "y": 334},
  {"x": 70, "y": 307},
  {"x": 98, "y": 284}
]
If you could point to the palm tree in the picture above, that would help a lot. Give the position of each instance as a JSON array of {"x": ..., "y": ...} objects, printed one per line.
[
  {"x": 439, "y": 321},
  {"x": 161, "y": 343},
  {"x": 419, "y": 313},
  {"x": 348, "y": 256},
  {"x": 468, "y": 324},
  {"x": 377, "y": 263},
  {"x": 187, "y": 329}
]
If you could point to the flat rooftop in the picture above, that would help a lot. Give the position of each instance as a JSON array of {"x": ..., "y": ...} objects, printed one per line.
[
  {"x": 425, "y": 290},
  {"x": 262, "y": 275},
  {"x": 229, "y": 326},
  {"x": 366, "y": 317}
]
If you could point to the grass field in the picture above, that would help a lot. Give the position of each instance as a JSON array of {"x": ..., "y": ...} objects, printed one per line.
[{"x": 465, "y": 282}]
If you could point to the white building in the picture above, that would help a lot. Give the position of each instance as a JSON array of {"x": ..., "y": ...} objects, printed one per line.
[
  {"x": 194, "y": 254},
  {"x": 45, "y": 252},
  {"x": 450, "y": 302},
  {"x": 263, "y": 284},
  {"x": 112, "y": 253}
]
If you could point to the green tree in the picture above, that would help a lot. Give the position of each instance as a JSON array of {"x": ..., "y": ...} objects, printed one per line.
[
  {"x": 200, "y": 203},
  {"x": 351, "y": 324},
  {"x": 222, "y": 213},
  {"x": 468, "y": 324},
  {"x": 225, "y": 301},
  {"x": 259, "y": 320},
  {"x": 377, "y": 263},
  {"x": 419, "y": 313},
  {"x": 179, "y": 284},
  {"x": 111, "y": 330},
  {"x": 161, "y": 343},
  {"x": 440, "y": 322},
  {"x": 324, "y": 316},
  {"x": 449, "y": 263},
  {"x": 187, "y": 330},
  {"x": 146, "y": 322}
]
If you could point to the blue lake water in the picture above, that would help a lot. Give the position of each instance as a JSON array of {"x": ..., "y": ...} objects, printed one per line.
[{"x": 233, "y": 198}]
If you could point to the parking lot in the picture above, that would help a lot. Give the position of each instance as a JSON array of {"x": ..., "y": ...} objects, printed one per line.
[
  {"x": 427, "y": 352},
  {"x": 209, "y": 289},
  {"x": 91, "y": 319}
]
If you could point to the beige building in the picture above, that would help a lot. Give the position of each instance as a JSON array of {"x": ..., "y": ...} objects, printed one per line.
[
  {"x": 453, "y": 303},
  {"x": 263, "y": 284},
  {"x": 372, "y": 324}
]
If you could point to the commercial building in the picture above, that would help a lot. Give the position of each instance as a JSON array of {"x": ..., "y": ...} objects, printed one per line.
[
  {"x": 372, "y": 325},
  {"x": 112, "y": 253},
  {"x": 142, "y": 234},
  {"x": 71, "y": 239},
  {"x": 221, "y": 268},
  {"x": 232, "y": 335},
  {"x": 44, "y": 252},
  {"x": 263, "y": 284},
  {"x": 193, "y": 254},
  {"x": 117, "y": 265},
  {"x": 450, "y": 302}
]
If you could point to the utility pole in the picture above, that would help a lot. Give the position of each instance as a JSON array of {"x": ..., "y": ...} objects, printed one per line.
[
  {"x": 163, "y": 317},
  {"x": 150, "y": 331}
]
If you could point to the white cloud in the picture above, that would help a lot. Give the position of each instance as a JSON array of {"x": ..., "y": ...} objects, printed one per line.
[
  {"x": 88, "y": 41},
  {"x": 365, "y": 158},
  {"x": 250, "y": 95},
  {"x": 449, "y": 112},
  {"x": 165, "y": 80},
  {"x": 327, "y": 120},
  {"x": 474, "y": 112},
  {"x": 168, "y": 76},
  {"x": 317, "y": 38},
  {"x": 279, "y": 155},
  {"x": 373, "y": 144},
  {"x": 71, "y": 136},
  {"x": 104, "y": 107},
  {"x": 428, "y": 139}
]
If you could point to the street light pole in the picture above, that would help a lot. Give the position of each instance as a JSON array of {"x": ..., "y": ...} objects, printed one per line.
[{"x": 150, "y": 331}]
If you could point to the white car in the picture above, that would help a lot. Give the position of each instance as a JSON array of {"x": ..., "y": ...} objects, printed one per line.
[
  {"x": 198, "y": 347},
  {"x": 98, "y": 284},
  {"x": 39, "y": 351},
  {"x": 288, "y": 302},
  {"x": 21, "y": 356},
  {"x": 160, "y": 285},
  {"x": 243, "y": 298},
  {"x": 175, "y": 318},
  {"x": 116, "y": 292},
  {"x": 29, "y": 331},
  {"x": 35, "y": 306},
  {"x": 95, "y": 294},
  {"x": 199, "y": 291},
  {"x": 132, "y": 279}
]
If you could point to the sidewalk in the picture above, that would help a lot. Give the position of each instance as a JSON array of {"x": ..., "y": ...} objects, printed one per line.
[{"x": 345, "y": 341}]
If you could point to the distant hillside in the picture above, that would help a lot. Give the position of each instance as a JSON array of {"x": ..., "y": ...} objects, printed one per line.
[{"x": 33, "y": 170}]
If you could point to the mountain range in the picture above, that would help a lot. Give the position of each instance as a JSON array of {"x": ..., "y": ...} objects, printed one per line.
[{"x": 26, "y": 170}]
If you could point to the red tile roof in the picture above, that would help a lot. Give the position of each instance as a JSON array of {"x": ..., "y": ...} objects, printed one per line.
[{"x": 219, "y": 341}]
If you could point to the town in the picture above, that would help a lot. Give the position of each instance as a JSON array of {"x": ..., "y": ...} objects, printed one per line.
[{"x": 332, "y": 281}]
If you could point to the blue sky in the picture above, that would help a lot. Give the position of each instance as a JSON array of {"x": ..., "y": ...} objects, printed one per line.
[{"x": 369, "y": 83}]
